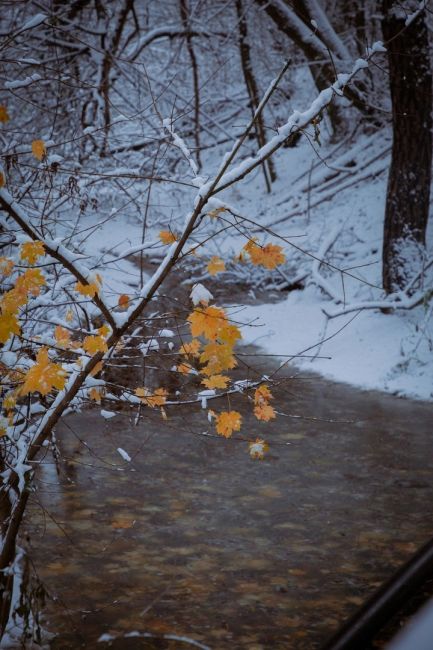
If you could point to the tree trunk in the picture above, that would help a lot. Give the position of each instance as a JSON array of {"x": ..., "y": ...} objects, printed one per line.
[
  {"x": 408, "y": 193},
  {"x": 253, "y": 93}
]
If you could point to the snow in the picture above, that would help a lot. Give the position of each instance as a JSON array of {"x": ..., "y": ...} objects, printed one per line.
[
  {"x": 124, "y": 454},
  {"x": 200, "y": 294},
  {"x": 107, "y": 415}
]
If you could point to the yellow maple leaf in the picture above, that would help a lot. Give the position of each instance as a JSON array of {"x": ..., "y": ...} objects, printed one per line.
[
  {"x": 217, "y": 357},
  {"x": 62, "y": 336},
  {"x": 258, "y": 448},
  {"x": 6, "y": 266},
  {"x": 43, "y": 376},
  {"x": 89, "y": 290},
  {"x": 207, "y": 321},
  {"x": 191, "y": 348},
  {"x": 2, "y": 180},
  {"x": 262, "y": 394},
  {"x": 8, "y": 325},
  {"x": 4, "y": 115},
  {"x": 167, "y": 237},
  {"x": 264, "y": 412},
  {"x": 31, "y": 282},
  {"x": 227, "y": 422},
  {"x": 94, "y": 344},
  {"x": 39, "y": 149},
  {"x": 230, "y": 334},
  {"x": 216, "y": 381},
  {"x": 156, "y": 398},
  {"x": 269, "y": 256},
  {"x": 31, "y": 251},
  {"x": 216, "y": 265}
]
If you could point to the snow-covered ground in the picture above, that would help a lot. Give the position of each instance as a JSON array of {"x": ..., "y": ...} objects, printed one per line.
[{"x": 327, "y": 205}]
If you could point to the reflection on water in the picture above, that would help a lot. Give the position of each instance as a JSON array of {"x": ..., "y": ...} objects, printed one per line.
[{"x": 193, "y": 538}]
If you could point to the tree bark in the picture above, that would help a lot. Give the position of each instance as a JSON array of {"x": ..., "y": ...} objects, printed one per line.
[
  {"x": 253, "y": 93},
  {"x": 408, "y": 192}
]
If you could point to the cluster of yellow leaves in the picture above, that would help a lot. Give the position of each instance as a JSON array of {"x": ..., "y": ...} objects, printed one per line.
[
  {"x": 262, "y": 409},
  {"x": 270, "y": 256},
  {"x": 158, "y": 397},
  {"x": 39, "y": 149},
  {"x": 90, "y": 289},
  {"x": 31, "y": 251},
  {"x": 43, "y": 376},
  {"x": 167, "y": 237},
  {"x": 27, "y": 284}
]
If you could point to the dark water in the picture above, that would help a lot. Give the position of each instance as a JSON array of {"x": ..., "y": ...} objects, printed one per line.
[{"x": 193, "y": 538}]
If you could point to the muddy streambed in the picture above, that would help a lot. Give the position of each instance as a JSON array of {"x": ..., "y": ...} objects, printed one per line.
[{"x": 192, "y": 538}]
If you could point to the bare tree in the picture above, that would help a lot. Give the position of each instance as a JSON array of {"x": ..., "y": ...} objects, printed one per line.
[{"x": 408, "y": 194}]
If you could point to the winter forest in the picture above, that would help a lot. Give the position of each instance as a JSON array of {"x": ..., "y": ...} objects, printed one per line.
[{"x": 216, "y": 330}]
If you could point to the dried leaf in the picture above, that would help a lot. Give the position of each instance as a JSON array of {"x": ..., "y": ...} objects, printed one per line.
[
  {"x": 43, "y": 376},
  {"x": 216, "y": 265},
  {"x": 4, "y": 115},
  {"x": 39, "y": 149},
  {"x": 31, "y": 251},
  {"x": 123, "y": 301}
]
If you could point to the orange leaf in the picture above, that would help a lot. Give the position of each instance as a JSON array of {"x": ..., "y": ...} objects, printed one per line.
[
  {"x": 262, "y": 394},
  {"x": 264, "y": 412},
  {"x": 43, "y": 376},
  {"x": 156, "y": 398},
  {"x": 167, "y": 237},
  {"x": 218, "y": 357},
  {"x": 216, "y": 381},
  {"x": 94, "y": 344},
  {"x": 31, "y": 250},
  {"x": 216, "y": 265},
  {"x": 227, "y": 422},
  {"x": 62, "y": 336},
  {"x": 207, "y": 321},
  {"x": 4, "y": 116},
  {"x": 192, "y": 348},
  {"x": 269, "y": 256},
  {"x": 8, "y": 325},
  {"x": 258, "y": 448},
  {"x": 39, "y": 149},
  {"x": 123, "y": 301},
  {"x": 95, "y": 394},
  {"x": 89, "y": 290},
  {"x": 2, "y": 180}
]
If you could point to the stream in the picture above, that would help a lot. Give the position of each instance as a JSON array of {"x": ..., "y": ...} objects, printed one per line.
[{"x": 192, "y": 538}]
